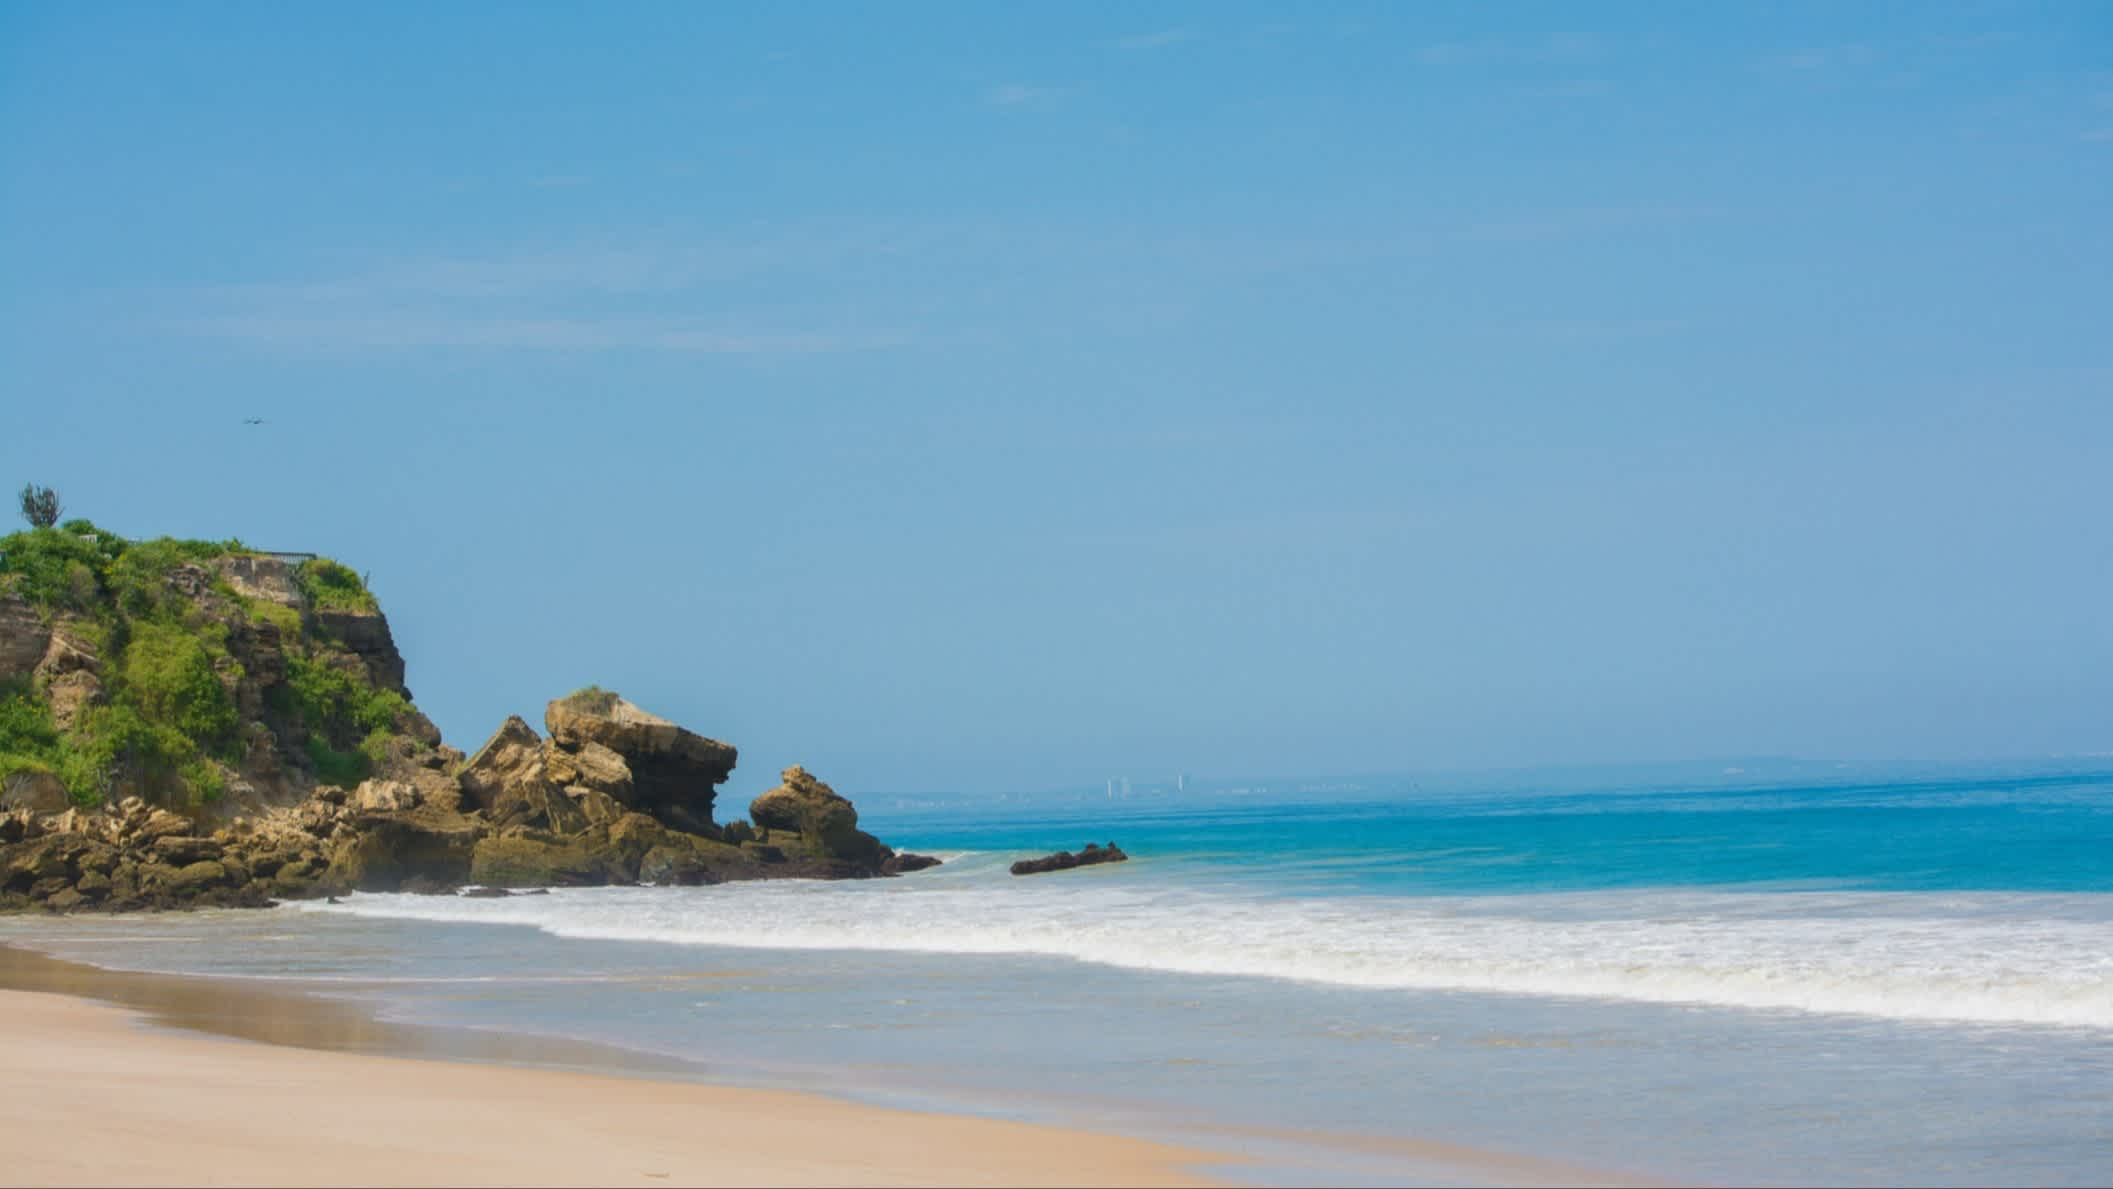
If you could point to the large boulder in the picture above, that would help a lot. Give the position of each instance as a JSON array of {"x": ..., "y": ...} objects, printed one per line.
[
  {"x": 511, "y": 759},
  {"x": 825, "y": 823},
  {"x": 38, "y": 792},
  {"x": 589, "y": 767},
  {"x": 674, "y": 773},
  {"x": 53, "y": 856},
  {"x": 382, "y": 852},
  {"x": 534, "y": 860},
  {"x": 537, "y": 806}
]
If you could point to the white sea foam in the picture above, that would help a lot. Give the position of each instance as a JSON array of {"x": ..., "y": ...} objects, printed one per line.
[{"x": 1987, "y": 958}]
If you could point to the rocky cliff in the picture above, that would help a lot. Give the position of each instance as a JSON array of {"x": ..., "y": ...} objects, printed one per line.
[{"x": 185, "y": 724}]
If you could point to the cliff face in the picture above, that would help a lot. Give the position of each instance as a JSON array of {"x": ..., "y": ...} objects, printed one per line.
[
  {"x": 184, "y": 723},
  {"x": 203, "y": 678}
]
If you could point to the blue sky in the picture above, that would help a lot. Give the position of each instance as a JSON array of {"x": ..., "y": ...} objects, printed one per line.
[{"x": 1004, "y": 396}]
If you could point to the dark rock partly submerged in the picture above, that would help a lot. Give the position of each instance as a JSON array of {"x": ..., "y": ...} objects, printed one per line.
[{"x": 1091, "y": 855}]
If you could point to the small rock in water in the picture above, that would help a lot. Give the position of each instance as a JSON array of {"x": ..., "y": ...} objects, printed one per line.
[
  {"x": 905, "y": 862},
  {"x": 1064, "y": 860}
]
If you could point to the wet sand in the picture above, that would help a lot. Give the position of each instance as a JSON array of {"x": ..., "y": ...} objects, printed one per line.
[
  {"x": 132, "y": 1078},
  {"x": 103, "y": 1093}
]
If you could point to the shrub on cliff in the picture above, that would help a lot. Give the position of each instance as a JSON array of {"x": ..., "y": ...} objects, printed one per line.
[
  {"x": 106, "y": 741},
  {"x": 332, "y": 586},
  {"x": 117, "y": 741},
  {"x": 169, "y": 675},
  {"x": 347, "y": 718},
  {"x": 28, "y": 740},
  {"x": 592, "y": 699},
  {"x": 58, "y": 569},
  {"x": 80, "y": 568}
]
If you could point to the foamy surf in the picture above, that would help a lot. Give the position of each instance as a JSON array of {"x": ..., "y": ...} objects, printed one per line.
[{"x": 2003, "y": 959}]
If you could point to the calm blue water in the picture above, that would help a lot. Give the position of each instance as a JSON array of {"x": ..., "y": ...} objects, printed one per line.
[
  {"x": 1872, "y": 982},
  {"x": 2034, "y": 832}
]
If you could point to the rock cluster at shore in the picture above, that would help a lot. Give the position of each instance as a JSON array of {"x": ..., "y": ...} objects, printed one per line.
[
  {"x": 1064, "y": 860},
  {"x": 524, "y": 812},
  {"x": 613, "y": 795}
]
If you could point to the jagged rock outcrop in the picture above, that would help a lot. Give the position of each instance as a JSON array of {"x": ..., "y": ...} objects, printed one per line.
[
  {"x": 587, "y": 772},
  {"x": 292, "y": 763},
  {"x": 511, "y": 759},
  {"x": 673, "y": 773},
  {"x": 804, "y": 816},
  {"x": 366, "y": 635},
  {"x": 619, "y": 795},
  {"x": 1090, "y": 855}
]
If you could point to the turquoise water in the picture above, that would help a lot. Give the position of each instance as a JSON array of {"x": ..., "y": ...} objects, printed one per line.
[
  {"x": 2025, "y": 832},
  {"x": 1858, "y": 981}
]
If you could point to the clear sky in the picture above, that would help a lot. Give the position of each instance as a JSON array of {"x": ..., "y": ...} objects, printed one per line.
[{"x": 987, "y": 396}]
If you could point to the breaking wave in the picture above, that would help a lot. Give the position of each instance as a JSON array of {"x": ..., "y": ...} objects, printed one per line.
[{"x": 1991, "y": 958}]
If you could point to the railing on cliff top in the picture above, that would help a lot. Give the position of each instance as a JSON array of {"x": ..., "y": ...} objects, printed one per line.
[{"x": 289, "y": 556}]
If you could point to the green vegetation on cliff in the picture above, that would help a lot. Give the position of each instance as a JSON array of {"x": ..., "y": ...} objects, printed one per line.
[
  {"x": 347, "y": 718},
  {"x": 592, "y": 699},
  {"x": 331, "y": 586},
  {"x": 157, "y": 646}
]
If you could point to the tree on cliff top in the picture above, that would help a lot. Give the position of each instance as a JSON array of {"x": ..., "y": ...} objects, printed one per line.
[{"x": 40, "y": 506}]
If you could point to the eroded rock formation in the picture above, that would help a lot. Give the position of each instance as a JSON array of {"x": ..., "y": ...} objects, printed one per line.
[
  {"x": 329, "y": 780},
  {"x": 524, "y": 812}
]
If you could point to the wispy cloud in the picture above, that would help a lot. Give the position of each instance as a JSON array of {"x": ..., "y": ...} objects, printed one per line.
[
  {"x": 763, "y": 294},
  {"x": 601, "y": 332},
  {"x": 1580, "y": 221},
  {"x": 1022, "y": 95},
  {"x": 593, "y": 271},
  {"x": 1592, "y": 331},
  {"x": 1551, "y": 48},
  {"x": 1583, "y": 88},
  {"x": 1969, "y": 42},
  {"x": 806, "y": 288},
  {"x": 1155, "y": 41},
  {"x": 1821, "y": 57}
]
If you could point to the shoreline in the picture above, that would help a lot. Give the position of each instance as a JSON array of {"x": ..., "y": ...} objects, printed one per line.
[
  {"x": 123, "y": 1089},
  {"x": 217, "y": 1038}
]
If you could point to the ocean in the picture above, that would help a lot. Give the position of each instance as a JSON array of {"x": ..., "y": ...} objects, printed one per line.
[{"x": 1839, "y": 978}]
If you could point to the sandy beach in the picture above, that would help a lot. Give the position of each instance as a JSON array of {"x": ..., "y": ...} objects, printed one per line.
[{"x": 109, "y": 1099}]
